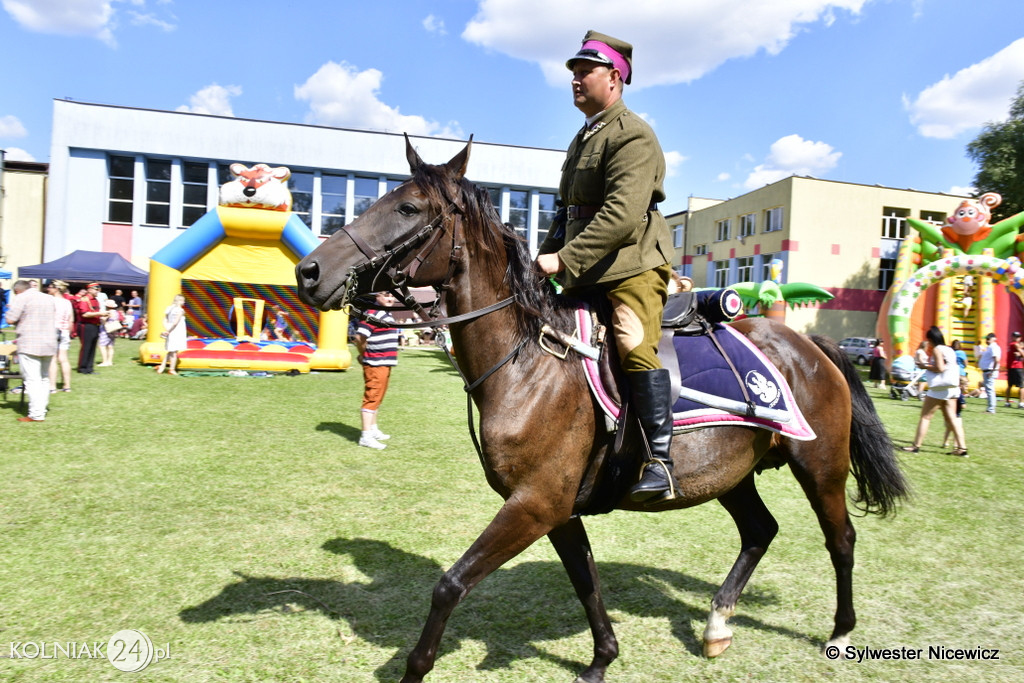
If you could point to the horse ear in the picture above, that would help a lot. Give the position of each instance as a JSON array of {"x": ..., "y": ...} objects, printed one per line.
[
  {"x": 412, "y": 155},
  {"x": 460, "y": 161}
]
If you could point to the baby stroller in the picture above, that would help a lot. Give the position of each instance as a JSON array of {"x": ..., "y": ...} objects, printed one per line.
[{"x": 904, "y": 378}]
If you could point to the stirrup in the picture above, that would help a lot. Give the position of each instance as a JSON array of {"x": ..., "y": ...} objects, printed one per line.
[{"x": 659, "y": 495}]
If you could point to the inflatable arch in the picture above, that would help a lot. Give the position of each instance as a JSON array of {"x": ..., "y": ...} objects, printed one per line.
[
  {"x": 236, "y": 256},
  {"x": 998, "y": 271}
]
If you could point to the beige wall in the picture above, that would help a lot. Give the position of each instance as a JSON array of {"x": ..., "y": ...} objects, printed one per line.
[
  {"x": 833, "y": 232},
  {"x": 24, "y": 210}
]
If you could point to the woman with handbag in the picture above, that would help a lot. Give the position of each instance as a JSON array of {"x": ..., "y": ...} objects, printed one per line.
[
  {"x": 943, "y": 378},
  {"x": 110, "y": 328}
]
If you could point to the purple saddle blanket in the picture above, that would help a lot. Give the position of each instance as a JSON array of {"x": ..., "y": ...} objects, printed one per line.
[{"x": 711, "y": 394}]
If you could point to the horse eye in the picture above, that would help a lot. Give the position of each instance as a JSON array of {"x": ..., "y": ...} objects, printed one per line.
[{"x": 408, "y": 209}]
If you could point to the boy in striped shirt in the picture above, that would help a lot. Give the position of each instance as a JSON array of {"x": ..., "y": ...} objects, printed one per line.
[{"x": 378, "y": 353}]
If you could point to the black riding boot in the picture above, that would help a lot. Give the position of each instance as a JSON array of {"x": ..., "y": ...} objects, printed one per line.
[{"x": 652, "y": 397}]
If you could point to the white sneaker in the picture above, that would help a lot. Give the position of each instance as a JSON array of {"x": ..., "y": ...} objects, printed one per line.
[
  {"x": 379, "y": 435},
  {"x": 370, "y": 441}
]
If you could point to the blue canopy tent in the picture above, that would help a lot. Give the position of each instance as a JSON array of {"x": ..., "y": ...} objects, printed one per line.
[{"x": 89, "y": 266}]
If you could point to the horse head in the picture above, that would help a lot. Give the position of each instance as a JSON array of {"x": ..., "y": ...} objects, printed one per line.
[{"x": 407, "y": 238}]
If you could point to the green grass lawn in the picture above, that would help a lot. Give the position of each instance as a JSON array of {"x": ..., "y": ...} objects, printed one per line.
[{"x": 235, "y": 521}]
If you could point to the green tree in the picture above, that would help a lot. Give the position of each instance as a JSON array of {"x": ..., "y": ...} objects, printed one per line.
[{"x": 999, "y": 153}]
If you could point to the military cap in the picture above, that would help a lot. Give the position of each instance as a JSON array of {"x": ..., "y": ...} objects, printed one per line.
[{"x": 603, "y": 49}]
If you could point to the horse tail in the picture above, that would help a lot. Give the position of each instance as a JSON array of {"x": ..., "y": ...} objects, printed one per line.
[{"x": 880, "y": 481}]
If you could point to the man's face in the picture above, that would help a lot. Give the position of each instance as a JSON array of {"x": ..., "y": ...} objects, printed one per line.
[
  {"x": 593, "y": 87},
  {"x": 92, "y": 291},
  {"x": 385, "y": 299}
]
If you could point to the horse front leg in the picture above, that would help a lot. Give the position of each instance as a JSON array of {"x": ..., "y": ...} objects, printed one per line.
[
  {"x": 757, "y": 528},
  {"x": 573, "y": 547},
  {"x": 514, "y": 528}
]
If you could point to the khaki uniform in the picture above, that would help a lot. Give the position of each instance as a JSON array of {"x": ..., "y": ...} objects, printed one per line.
[{"x": 616, "y": 242}]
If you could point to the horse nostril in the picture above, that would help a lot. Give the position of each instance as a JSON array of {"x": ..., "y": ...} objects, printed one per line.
[{"x": 310, "y": 272}]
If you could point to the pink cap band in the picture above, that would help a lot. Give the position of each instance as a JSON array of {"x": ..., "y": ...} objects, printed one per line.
[{"x": 618, "y": 60}]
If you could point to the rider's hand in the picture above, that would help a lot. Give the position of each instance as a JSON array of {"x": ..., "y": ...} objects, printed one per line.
[{"x": 549, "y": 264}]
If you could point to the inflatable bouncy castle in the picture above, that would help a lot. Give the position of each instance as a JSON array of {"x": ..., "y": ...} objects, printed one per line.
[{"x": 234, "y": 264}]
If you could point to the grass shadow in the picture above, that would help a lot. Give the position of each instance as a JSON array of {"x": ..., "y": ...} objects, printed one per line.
[
  {"x": 509, "y": 612},
  {"x": 346, "y": 431}
]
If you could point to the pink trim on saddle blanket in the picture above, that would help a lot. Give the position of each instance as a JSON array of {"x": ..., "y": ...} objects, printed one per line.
[{"x": 796, "y": 428}]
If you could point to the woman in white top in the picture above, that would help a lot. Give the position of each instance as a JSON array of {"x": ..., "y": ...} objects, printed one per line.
[
  {"x": 175, "y": 335},
  {"x": 943, "y": 379},
  {"x": 65, "y": 321}
]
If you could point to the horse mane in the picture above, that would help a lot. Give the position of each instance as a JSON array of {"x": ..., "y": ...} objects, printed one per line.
[{"x": 500, "y": 246}]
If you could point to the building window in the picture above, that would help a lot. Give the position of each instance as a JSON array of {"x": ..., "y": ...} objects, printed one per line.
[
  {"x": 745, "y": 269},
  {"x": 773, "y": 219},
  {"x": 721, "y": 274},
  {"x": 724, "y": 230},
  {"x": 300, "y": 184},
  {"x": 748, "y": 225},
  {"x": 194, "y": 181},
  {"x": 333, "y": 190},
  {"x": 121, "y": 171},
  {"x": 934, "y": 217},
  {"x": 700, "y": 250},
  {"x": 766, "y": 266},
  {"x": 886, "y": 273},
  {"x": 677, "y": 236},
  {"x": 365, "y": 193},
  {"x": 545, "y": 214},
  {"x": 519, "y": 211},
  {"x": 894, "y": 223},
  {"x": 158, "y": 192}
]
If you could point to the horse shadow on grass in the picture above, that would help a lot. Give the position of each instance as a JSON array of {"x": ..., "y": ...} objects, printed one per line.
[{"x": 510, "y": 612}]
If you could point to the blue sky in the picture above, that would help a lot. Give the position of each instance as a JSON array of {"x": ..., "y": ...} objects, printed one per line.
[{"x": 740, "y": 92}]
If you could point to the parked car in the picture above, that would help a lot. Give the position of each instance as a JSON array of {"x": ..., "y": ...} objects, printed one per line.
[{"x": 858, "y": 349}]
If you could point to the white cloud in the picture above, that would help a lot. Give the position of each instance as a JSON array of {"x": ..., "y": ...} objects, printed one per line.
[
  {"x": 11, "y": 127},
  {"x": 17, "y": 154},
  {"x": 972, "y": 97},
  {"x": 93, "y": 18},
  {"x": 213, "y": 99},
  {"x": 792, "y": 155},
  {"x": 434, "y": 25},
  {"x": 343, "y": 97},
  {"x": 673, "y": 160},
  {"x": 722, "y": 177},
  {"x": 674, "y": 42}
]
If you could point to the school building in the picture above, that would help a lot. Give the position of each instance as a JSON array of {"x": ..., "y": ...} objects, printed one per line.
[
  {"x": 842, "y": 237},
  {"x": 129, "y": 180}
]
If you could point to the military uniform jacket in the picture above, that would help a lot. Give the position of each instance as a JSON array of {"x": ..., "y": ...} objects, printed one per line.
[{"x": 616, "y": 168}]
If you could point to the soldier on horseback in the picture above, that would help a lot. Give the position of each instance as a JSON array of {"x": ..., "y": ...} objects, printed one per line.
[{"x": 615, "y": 242}]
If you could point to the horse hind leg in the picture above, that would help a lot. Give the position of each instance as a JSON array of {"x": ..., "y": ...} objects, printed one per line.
[
  {"x": 757, "y": 528},
  {"x": 827, "y": 495},
  {"x": 573, "y": 548}
]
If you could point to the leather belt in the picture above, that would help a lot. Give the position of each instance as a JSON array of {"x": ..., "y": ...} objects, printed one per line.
[{"x": 575, "y": 212}]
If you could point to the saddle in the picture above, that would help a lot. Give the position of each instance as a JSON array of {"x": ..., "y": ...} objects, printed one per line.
[{"x": 718, "y": 376}]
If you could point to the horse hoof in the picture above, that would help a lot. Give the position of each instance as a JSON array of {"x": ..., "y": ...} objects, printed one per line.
[{"x": 713, "y": 648}]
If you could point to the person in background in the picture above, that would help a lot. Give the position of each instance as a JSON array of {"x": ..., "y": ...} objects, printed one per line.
[
  {"x": 174, "y": 334},
  {"x": 90, "y": 316},
  {"x": 988, "y": 362},
  {"x": 109, "y": 332},
  {"x": 135, "y": 304},
  {"x": 65, "y": 323},
  {"x": 943, "y": 379},
  {"x": 34, "y": 316},
  {"x": 961, "y": 400},
  {"x": 1015, "y": 369},
  {"x": 878, "y": 372},
  {"x": 378, "y": 353}
]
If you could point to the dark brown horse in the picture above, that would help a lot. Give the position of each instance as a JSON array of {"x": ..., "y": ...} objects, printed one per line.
[{"x": 542, "y": 448}]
